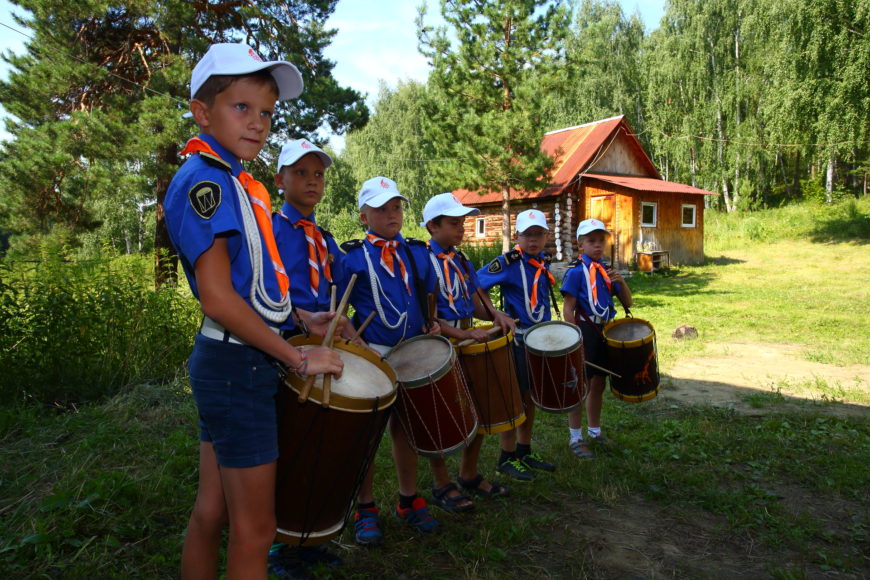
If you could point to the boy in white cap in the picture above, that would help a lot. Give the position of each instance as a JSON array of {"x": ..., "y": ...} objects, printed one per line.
[
  {"x": 459, "y": 302},
  {"x": 526, "y": 284},
  {"x": 396, "y": 279},
  {"x": 588, "y": 287},
  {"x": 219, "y": 222}
]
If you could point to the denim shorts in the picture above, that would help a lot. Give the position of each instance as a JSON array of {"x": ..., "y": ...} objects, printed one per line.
[
  {"x": 234, "y": 387},
  {"x": 594, "y": 347},
  {"x": 521, "y": 363}
]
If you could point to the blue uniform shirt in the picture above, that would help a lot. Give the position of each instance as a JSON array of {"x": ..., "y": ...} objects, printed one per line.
[
  {"x": 293, "y": 249},
  {"x": 201, "y": 203},
  {"x": 463, "y": 288},
  {"x": 391, "y": 292},
  {"x": 576, "y": 284},
  {"x": 507, "y": 271}
]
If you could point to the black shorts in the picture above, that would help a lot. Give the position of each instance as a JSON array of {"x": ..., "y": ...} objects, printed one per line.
[
  {"x": 521, "y": 363},
  {"x": 594, "y": 347}
]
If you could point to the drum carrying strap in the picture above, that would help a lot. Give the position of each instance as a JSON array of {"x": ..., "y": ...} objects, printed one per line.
[{"x": 419, "y": 286}]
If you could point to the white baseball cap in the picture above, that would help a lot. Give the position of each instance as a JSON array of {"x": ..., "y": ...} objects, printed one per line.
[
  {"x": 589, "y": 226},
  {"x": 377, "y": 191},
  {"x": 530, "y": 218},
  {"x": 293, "y": 151},
  {"x": 231, "y": 58},
  {"x": 445, "y": 204}
]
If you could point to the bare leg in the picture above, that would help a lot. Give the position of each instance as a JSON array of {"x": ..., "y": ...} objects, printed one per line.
[
  {"x": 594, "y": 401},
  {"x": 524, "y": 431},
  {"x": 366, "y": 494},
  {"x": 202, "y": 542},
  {"x": 405, "y": 459},
  {"x": 250, "y": 495}
]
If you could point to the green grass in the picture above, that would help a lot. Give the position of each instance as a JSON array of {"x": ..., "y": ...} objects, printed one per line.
[{"x": 103, "y": 490}]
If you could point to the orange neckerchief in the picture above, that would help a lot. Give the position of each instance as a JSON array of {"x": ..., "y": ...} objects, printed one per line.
[
  {"x": 389, "y": 256},
  {"x": 316, "y": 245},
  {"x": 539, "y": 265},
  {"x": 447, "y": 260},
  {"x": 594, "y": 269},
  {"x": 262, "y": 204}
]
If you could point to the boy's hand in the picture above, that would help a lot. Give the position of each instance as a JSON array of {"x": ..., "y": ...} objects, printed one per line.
[
  {"x": 614, "y": 275},
  {"x": 322, "y": 360},
  {"x": 433, "y": 329},
  {"x": 318, "y": 322},
  {"x": 505, "y": 321},
  {"x": 478, "y": 334}
]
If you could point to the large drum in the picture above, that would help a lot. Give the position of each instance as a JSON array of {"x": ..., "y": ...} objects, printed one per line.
[
  {"x": 556, "y": 366},
  {"x": 434, "y": 404},
  {"x": 631, "y": 352},
  {"x": 324, "y": 453},
  {"x": 492, "y": 379}
]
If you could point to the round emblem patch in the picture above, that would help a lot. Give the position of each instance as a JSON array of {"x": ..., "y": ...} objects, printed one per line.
[{"x": 205, "y": 198}]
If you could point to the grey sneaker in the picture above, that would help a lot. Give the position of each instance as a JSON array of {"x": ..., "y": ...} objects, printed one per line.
[
  {"x": 516, "y": 469},
  {"x": 580, "y": 450}
]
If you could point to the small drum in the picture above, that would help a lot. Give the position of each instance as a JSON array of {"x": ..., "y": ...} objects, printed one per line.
[
  {"x": 492, "y": 379},
  {"x": 324, "y": 453},
  {"x": 434, "y": 404},
  {"x": 631, "y": 352},
  {"x": 556, "y": 365}
]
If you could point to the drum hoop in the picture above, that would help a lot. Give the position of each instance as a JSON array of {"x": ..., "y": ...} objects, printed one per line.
[
  {"x": 482, "y": 347},
  {"x": 629, "y": 343},
  {"x": 338, "y": 401},
  {"x": 553, "y": 353},
  {"x": 428, "y": 378}
]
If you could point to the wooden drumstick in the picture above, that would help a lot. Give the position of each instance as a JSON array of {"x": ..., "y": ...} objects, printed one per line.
[
  {"x": 327, "y": 341},
  {"x": 362, "y": 327},
  {"x": 468, "y": 341},
  {"x": 595, "y": 366}
]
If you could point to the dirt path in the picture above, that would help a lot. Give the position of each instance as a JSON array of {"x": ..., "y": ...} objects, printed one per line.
[{"x": 752, "y": 377}]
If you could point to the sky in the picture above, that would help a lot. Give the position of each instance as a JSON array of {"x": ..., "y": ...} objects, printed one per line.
[{"x": 375, "y": 41}]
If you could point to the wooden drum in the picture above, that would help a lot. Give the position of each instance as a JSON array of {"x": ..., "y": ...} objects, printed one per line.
[
  {"x": 324, "y": 453},
  {"x": 556, "y": 366},
  {"x": 631, "y": 352}
]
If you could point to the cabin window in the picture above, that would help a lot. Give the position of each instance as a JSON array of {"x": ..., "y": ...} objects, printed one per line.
[
  {"x": 648, "y": 214},
  {"x": 480, "y": 227},
  {"x": 688, "y": 212}
]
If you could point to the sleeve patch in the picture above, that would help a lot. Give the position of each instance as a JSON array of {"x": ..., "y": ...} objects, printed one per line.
[
  {"x": 205, "y": 198},
  {"x": 494, "y": 267}
]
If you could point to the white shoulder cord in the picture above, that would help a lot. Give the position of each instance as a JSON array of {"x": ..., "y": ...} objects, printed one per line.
[
  {"x": 526, "y": 300},
  {"x": 260, "y": 300},
  {"x": 376, "y": 295},
  {"x": 457, "y": 288},
  {"x": 592, "y": 306}
]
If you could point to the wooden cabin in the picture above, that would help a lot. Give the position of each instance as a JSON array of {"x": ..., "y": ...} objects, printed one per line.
[{"x": 602, "y": 171}]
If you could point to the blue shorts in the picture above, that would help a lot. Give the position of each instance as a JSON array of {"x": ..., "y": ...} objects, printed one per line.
[
  {"x": 594, "y": 347},
  {"x": 234, "y": 387},
  {"x": 521, "y": 363}
]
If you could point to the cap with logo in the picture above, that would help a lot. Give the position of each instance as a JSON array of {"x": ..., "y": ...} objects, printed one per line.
[
  {"x": 447, "y": 205},
  {"x": 293, "y": 151},
  {"x": 589, "y": 226},
  {"x": 531, "y": 218},
  {"x": 231, "y": 58},
  {"x": 377, "y": 191}
]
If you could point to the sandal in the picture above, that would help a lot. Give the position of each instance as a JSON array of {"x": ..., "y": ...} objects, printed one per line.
[
  {"x": 473, "y": 486},
  {"x": 442, "y": 498}
]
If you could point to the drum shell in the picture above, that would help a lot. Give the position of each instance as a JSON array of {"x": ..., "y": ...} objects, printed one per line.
[
  {"x": 636, "y": 361},
  {"x": 436, "y": 411},
  {"x": 557, "y": 377},
  {"x": 492, "y": 381},
  {"x": 324, "y": 453}
]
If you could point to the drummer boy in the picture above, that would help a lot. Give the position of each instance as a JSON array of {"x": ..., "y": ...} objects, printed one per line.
[
  {"x": 395, "y": 280},
  {"x": 459, "y": 301},
  {"x": 524, "y": 276},
  {"x": 588, "y": 287}
]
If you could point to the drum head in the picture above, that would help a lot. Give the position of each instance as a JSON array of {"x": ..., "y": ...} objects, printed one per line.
[
  {"x": 360, "y": 379},
  {"x": 629, "y": 331},
  {"x": 420, "y": 358},
  {"x": 553, "y": 338}
]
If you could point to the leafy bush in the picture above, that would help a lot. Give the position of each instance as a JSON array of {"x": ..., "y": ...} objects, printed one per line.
[{"x": 78, "y": 331}]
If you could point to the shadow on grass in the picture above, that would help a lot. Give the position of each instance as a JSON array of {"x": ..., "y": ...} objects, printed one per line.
[
  {"x": 845, "y": 223},
  {"x": 721, "y": 261},
  {"x": 671, "y": 282}
]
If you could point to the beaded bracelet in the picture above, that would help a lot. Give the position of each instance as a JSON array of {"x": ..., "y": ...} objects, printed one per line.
[{"x": 301, "y": 368}]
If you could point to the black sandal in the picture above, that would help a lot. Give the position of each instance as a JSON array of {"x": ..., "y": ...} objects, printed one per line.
[
  {"x": 442, "y": 498},
  {"x": 473, "y": 486}
]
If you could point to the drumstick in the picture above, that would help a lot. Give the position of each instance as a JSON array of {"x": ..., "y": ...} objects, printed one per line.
[
  {"x": 362, "y": 327},
  {"x": 468, "y": 341},
  {"x": 327, "y": 341},
  {"x": 595, "y": 366}
]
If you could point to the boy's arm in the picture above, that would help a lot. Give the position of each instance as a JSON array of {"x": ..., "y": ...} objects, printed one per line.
[
  {"x": 220, "y": 302},
  {"x": 568, "y": 306},
  {"x": 624, "y": 291},
  {"x": 485, "y": 310}
]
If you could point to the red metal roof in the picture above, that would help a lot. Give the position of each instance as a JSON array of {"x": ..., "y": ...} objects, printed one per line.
[
  {"x": 648, "y": 184},
  {"x": 573, "y": 149}
]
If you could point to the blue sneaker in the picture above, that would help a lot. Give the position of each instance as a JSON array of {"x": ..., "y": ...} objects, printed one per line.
[
  {"x": 418, "y": 517},
  {"x": 365, "y": 522},
  {"x": 284, "y": 563}
]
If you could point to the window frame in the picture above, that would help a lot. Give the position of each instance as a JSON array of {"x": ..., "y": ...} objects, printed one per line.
[
  {"x": 694, "y": 208},
  {"x": 480, "y": 227},
  {"x": 655, "y": 208}
]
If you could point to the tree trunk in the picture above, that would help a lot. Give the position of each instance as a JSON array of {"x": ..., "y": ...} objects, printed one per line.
[
  {"x": 165, "y": 258},
  {"x": 829, "y": 181},
  {"x": 505, "y": 219}
]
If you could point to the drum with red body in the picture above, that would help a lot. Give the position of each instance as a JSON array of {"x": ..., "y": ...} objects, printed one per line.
[
  {"x": 434, "y": 404},
  {"x": 324, "y": 453},
  {"x": 554, "y": 350},
  {"x": 492, "y": 380}
]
